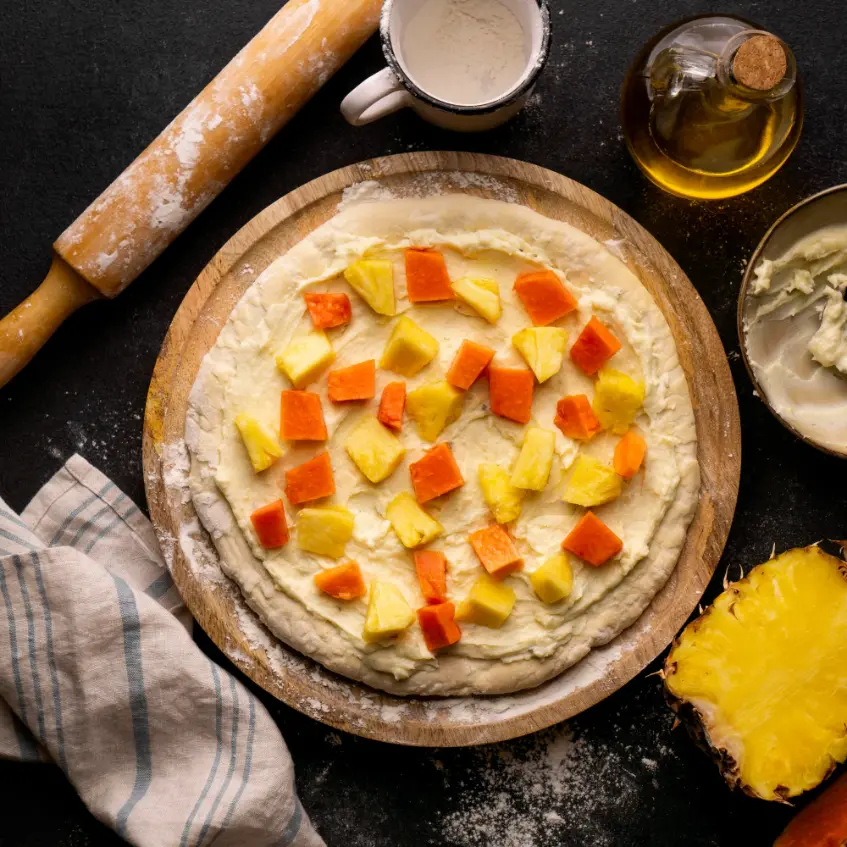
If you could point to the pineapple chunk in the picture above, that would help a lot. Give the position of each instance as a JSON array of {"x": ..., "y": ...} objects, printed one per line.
[
  {"x": 373, "y": 281},
  {"x": 374, "y": 449},
  {"x": 617, "y": 399},
  {"x": 532, "y": 469},
  {"x": 433, "y": 407},
  {"x": 409, "y": 350},
  {"x": 412, "y": 524},
  {"x": 502, "y": 497},
  {"x": 553, "y": 581},
  {"x": 761, "y": 675},
  {"x": 482, "y": 295},
  {"x": 592, "y": 483},
  {"x": 262, "y": 445},
  {"x": 543, "y": 347},
  {"x": 388, "y": 612},
  {"x": 305, "y": 357},
  {"x": 324, "y": 531},
  {"x": 488, "y": 603}
]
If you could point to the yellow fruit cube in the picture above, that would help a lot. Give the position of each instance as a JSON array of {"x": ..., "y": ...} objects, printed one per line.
[
  {"x": 412, "y": 524},
  {"x": 304, "y": 358},
  {"x": 592, "y": 483},
  {"x": 409, "y": 350},
  {"x": 543, "y": 347},
  {"x": 553, "y": 581},
  {"x": 388, "y": 612},
  {"x": 482, "y": 295},
  {"x": 324, "y": 531},
  {"x": 373, "y": 281},
  {"x": 374, "y": 449},
  {"x": 532, "y": 469},
  {"x": 502, "y": 497},
  {"x": 433, "y": 407},
  {"x": 488, "y": 603},
  {"x": 263, "y": 448},
  {"x": 617, "y": 399}
]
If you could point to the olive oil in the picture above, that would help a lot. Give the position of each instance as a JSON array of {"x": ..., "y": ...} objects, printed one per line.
[{"x": 712, "y": 107}]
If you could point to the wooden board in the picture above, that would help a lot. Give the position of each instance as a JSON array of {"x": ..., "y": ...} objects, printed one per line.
[{"x": 217, "y": 606}]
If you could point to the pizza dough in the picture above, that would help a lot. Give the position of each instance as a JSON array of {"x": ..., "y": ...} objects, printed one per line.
[{"x": 483, "y": 238}]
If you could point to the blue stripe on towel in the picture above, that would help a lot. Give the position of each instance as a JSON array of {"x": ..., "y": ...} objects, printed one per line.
[
  {"x": 107, "y": 528},
  {"x": 137, "y": 702},
  {"x": 84, "y": 505},
  {"x": 248, "y": 762},
  {"x": 10, "y": 516},
  {"x": 160, "y": 586},
  {"x": 15, "y": 540},
  {"x": 293, "y": 826},
  {"x": 33, "y": 663},
  {"x": 88, "y": 524}
]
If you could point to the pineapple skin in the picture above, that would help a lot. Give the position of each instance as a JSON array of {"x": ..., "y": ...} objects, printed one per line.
[{"x": 732, "y": 610}]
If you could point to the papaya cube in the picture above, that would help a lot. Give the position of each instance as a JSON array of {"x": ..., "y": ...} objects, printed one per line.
[
  {"x": 496, "y": 551},
  {"x": 301, "y": 417},
  {"x": 414, "y": 527},
  {"x": 482, "y": 295},
  {"x": 438, "y": 625},
  {"x": 592, "y": 541},
  {"x": 431, "y": 567},
  {"x": 328, "y": 310},
  {"x": 392, "y": 405},
  {"x": 304, "y": 358},
  {"x": 510, "y": 393},
  {"x": 388, "y": 612},
  {"x": 270, "y": 525},
  {"x": 592, "y": 483},
  {"x": 544, "y": 297},
  {"x": 543, "y": 349},
  {"x": 471, "y": 360},
  {"x": 575, "y": 417},
  {"x": 436, "y": 473},
  {"x": 594, "y": 347},
  {"x": 532, "y": 469},
  {"x": 553, "y": 581},
  {"x": 488, "y": 603},
  {"x": 427, "y": 280},
  {"x": 375, "y": 451},
  {"x": 433, "y": 407},
  {"x": 373, "y": 281},
  {"x": 629, "y": 455},
  {"x": 324, "y": 531},
  {"x": 261, "y": 444},
  {"x": 310, "y": 481},
  {"x": 343, "y": 582},
  {"x": 617, "y": 400},
  {"x": 356, "y": 382},
  {"x": 503, "y": 499},
  {"x": 409, "y": 349}
]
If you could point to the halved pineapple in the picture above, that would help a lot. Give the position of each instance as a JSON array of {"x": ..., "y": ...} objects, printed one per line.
[
  {"x": 543, "y": 347},
  {"x": 532, "y": 469},
  {"x": 373, "y": 281},
  {"x": 482, "y": 295},
  {"x": 592, "y": 483},
  {"x": 760, "y": 675},
  {"x": 374, "y": 449},
  {"x": 304, "y": 358},
  {"x": 409, "y": 350},
  {"x": 617, "y": 399},
  {"x": 262, "y": 445},
  {"x": 324, "y": 531},
  {"x": 432, "y": 407},
  {"x": 504, "y": 500},
  {"x": 412, "y": 524}
]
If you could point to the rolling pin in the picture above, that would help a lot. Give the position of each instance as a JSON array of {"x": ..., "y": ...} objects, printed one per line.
[{"x": 188, "y": 165}]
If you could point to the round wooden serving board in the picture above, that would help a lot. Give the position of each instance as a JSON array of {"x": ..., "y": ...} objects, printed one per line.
[{"x": 298, "y": 681}]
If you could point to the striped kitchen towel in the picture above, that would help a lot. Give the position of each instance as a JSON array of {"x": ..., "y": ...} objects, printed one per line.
[{"x": 99, "y": 674}]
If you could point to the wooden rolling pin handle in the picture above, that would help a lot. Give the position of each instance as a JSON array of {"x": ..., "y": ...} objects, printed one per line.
[{"x": 25, "y": 330}]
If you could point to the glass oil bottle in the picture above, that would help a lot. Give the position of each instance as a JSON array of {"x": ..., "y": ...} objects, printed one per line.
[{"x": 712, "y": 107}]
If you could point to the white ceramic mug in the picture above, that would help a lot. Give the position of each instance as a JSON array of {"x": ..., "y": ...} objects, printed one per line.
[{"x": 393, "y": 88}]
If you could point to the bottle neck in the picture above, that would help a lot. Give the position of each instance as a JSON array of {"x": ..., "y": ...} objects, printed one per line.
[{"x": 751, "y": 65}]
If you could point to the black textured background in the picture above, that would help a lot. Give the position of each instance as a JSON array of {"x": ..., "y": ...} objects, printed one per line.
[{"x": 86, "y": 84}]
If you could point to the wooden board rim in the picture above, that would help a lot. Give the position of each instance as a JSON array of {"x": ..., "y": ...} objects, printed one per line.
[{"x": 713, "y": 393}]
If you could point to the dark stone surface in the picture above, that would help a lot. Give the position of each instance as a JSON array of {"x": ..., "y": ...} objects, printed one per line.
[{"x": 84, "y": 87}]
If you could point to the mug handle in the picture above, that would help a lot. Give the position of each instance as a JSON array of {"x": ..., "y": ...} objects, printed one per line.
[{"x": 379, "y": 95}]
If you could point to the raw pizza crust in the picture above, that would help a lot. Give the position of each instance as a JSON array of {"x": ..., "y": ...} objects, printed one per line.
[{"x": 488, "y": 238}]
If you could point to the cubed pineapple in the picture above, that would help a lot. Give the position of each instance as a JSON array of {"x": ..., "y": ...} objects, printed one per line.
[
  {"x": 262, "y": 445},
  {"x": 433, "y": 407},
  {"x": 532, "y": 469},
  {"x": 488, "y": 603},
  {"x": 409, "y": 350},
  {"x": 592, "y": 483},
  {"x": 482, "y": 295},
  {"x": 388, "y": 612},
  {"x": 324, "y": 531},
  {"x": 373, "y": 281},
  {"x": 412, "y": 524},
  {"x": 502, "y": 497},
  {"x": 304, "y": 358},
  {"x": 617, "y": 399},
  {"x": 543, "y": 347},
  {"x": 553, "y": 581},
  {"x": 374, "y": 449}
]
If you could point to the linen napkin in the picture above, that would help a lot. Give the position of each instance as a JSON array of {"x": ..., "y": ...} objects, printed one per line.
[{"x": 99, "y": 674}]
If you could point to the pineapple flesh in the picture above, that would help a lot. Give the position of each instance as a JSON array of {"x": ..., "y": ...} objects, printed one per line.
[
  {"x": 503, "y": 499},
  {"x": 409, "y": 349},
  {"x": 262, "y": 446},
  {"x": 373, "y": 281},
  {"x": 532, "y": 469},
  {"x": 617, "y": 399},
  {"x": 433, "y": 407},
  {"x": 304, "y": 358},
  {"x": 324, "y": 531},
  {"x": 375, "y": 451},
  {"x": 481, "y": 295},
  {"x": 543, "y": 348},
  {"x": 388, "y": 612},
  {"x": 592, "y": 483},
  {"x": 553, "y": 581},
  {"x": 760, "y": 676},
  {"x": 414, "y": 527},
  {"x": 488, "y": 603}
]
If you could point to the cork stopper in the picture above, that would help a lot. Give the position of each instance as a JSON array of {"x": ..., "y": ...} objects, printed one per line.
[{"x": 760, "y": 63}]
